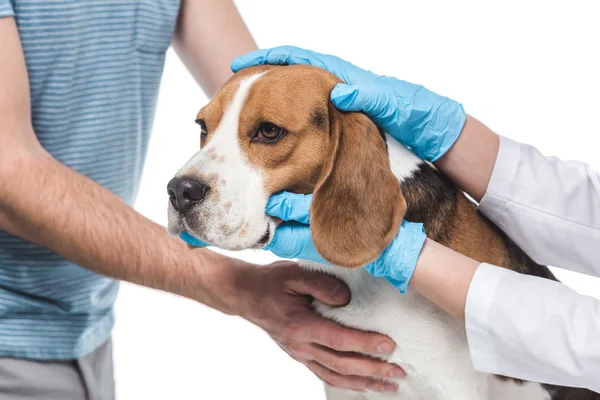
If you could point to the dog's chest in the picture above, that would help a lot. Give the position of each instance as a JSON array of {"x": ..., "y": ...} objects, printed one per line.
[
  {"x": 426, "y": 338},
  {"x": 430, "y": 346}
]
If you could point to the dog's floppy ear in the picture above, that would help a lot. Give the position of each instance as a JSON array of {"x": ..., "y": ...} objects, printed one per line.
[{"x": 357, "y": 205}]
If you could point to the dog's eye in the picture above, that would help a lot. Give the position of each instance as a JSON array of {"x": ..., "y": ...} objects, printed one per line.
[
  {"x": 268, "y": 132},
  {"x": 203, "y": 130}
]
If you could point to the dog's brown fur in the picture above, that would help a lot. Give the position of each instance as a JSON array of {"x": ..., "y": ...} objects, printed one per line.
[
  {"x": 364, "y": 206},
  {"x": 358, "y": 204}
]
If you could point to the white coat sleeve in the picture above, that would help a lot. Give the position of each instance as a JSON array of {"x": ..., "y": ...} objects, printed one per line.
[
  {"x": 527, "y": 327},
  {"x": 532, "y": 328},
  {"x": 549, "y": 207}
]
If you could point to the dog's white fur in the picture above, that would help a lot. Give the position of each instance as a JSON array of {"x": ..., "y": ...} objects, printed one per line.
[
  {"x": 236, "y": 201},
  {"x": 431, "y": 346}
]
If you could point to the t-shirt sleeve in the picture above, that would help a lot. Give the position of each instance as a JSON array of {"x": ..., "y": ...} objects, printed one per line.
[{"x": 6, "y": 9}]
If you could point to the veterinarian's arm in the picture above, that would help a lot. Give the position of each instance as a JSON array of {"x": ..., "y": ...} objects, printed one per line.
[
  {"x": 517, "y": 325},
  {"x": 549, "y": 207},
  {"x": 209, "y": 35},
  {"x": 48, "y": 203}
]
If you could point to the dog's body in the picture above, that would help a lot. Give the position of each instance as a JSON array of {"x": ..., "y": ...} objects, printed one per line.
[
  {"x": 432, "y": 346},
  {"x": 356, "y": 211}
]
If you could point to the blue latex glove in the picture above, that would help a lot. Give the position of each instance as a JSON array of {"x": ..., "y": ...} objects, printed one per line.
[
  {"x": 293, "y": 240},
  {"x": 427, "y": 123},
  {"x": 189, "y": 239}
]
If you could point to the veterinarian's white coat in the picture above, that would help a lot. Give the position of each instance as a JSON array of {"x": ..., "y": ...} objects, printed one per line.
[{"x": 524, "y": 326}]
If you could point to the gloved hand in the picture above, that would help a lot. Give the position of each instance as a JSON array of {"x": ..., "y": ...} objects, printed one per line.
[
  {"x": 427, "y": 123},
  {"x": 293, "y": 240}
]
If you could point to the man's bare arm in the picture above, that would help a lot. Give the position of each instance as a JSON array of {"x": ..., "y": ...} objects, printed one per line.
[
  {"x": 210, "y": 34},
  {"x": 50, "y": 204}
]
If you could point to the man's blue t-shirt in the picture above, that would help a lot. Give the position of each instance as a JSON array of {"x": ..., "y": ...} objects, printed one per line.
[{"x": 94, "y": 69}]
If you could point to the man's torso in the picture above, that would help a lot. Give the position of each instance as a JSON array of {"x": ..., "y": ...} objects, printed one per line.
[{"x": 94, "y": 68}]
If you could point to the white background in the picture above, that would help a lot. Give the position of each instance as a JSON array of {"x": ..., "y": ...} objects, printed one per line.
[{"x": 530, "y": 70}]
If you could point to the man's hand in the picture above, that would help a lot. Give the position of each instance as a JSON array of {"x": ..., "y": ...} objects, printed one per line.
[{"x": 279, "y": 297}]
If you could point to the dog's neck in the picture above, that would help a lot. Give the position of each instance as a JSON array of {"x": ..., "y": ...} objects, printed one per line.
[
  {"x": 430, "y": 196},
  {"x": 403, "y": 162}
]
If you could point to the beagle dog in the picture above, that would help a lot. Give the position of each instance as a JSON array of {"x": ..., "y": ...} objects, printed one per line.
[{"x": 272, "y": 128}]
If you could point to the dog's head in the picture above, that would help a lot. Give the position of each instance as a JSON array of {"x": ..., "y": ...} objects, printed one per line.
[{"x": 272, "y": 128}]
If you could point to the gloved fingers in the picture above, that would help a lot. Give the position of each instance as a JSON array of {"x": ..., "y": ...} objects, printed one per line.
[
  {"x": 288, "y": 240},
  {"x": 374, "y": 100},
  {"x": 191, "y": 240},
  {"x": 291, "y": 55},
  {"x": 290, "y": 207},
  {"x": 283, "y": 55},
  {"x": 402, "y": 88},
  {"x": 293, "y": 240},
  {"x": 398, "y": 261}
]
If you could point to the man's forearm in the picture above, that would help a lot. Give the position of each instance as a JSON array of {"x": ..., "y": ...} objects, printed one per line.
[
  {"x": 210, "y": 34},
  {"x": 470, "y": 161},
  {"x": 46, "y": 202}
]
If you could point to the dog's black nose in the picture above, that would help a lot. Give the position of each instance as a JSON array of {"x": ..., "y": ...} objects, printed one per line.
[{"x": 185, "y": 192}]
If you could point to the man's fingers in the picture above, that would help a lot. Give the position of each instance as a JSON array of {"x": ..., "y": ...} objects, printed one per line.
[
  {"x": 322, "y": 287},
  {"x": 336, "y": 337},
  {"x": 354, "y": 364},
  {"x": 350, "y": 382}
]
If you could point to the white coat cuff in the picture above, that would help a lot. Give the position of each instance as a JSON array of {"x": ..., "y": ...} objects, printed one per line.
[
  {"x": 499, "y": 188},
  {"x": 480, "y": 299}
]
